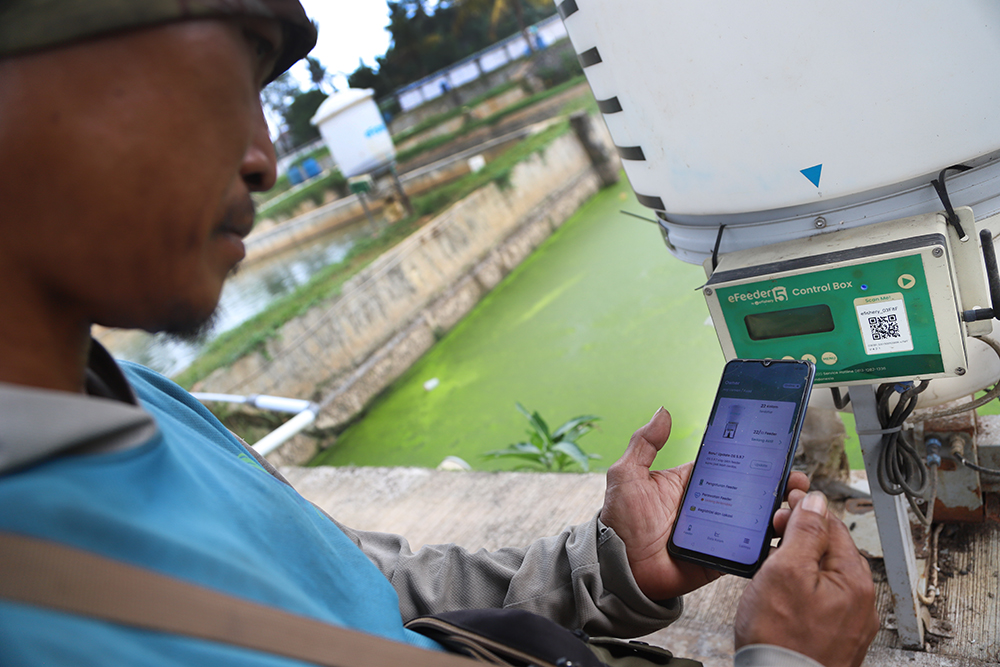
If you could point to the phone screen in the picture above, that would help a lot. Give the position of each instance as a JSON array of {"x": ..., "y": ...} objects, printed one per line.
[{"x": 739, "y": 476}]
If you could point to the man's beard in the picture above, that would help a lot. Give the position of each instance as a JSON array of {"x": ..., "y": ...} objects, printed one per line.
[
  {"x": 192, "y": 329},
  {"x": 189, "y": 327}
]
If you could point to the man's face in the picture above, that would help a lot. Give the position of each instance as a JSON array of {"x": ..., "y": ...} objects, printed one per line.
[{"x": 129, "y": 161}]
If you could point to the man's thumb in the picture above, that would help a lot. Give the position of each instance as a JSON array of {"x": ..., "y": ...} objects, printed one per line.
[{"x": 807, "y": 534}]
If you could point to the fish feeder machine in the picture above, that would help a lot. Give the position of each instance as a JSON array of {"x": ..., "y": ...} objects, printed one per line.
[{"x": 834, "y": 168}]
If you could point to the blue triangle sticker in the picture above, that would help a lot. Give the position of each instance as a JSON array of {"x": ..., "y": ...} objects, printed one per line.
[{"x": 813, "y": 173}]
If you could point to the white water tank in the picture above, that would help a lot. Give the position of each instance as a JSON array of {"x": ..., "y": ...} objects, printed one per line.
[
  {"x": 782, "y": 119},
  {"x": 353, "y": 129}
]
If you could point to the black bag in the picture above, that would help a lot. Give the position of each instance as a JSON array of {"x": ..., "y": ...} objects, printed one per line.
[{"x": 519, "y": 638}]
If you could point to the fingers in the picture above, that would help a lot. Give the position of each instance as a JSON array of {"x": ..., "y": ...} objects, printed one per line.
[
  {"x": 648, "y": 440},
  {"x": 814, "y": 594},
  {"x": 843, "y": 553},
  {"x": 795, "y": 496},
  {"x": 781, "y": 517},
  {"x": 807, "y": 532},
  {"x": 797, "y": 481}
]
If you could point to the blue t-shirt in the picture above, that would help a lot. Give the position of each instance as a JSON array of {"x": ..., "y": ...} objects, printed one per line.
[{"x": 193, "y": 504}]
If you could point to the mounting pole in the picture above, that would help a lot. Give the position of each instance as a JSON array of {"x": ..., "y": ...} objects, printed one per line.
[
  {"x": 893, "y": 524},
  {"x": 403, "y": 197}
]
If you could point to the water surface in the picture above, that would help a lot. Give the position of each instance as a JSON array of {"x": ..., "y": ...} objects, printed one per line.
[
  {"x": 601, "y": 320},
  {"x": 252, "y": 289}
]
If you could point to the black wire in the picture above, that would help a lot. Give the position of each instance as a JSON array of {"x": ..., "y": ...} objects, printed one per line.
[
  {"x": 641, "y": 217},
  {"x": 978, "y": 468},
  {"x": 942, "y": 192},
  {"x": 901, "y": 470},
  {"x": 715, "y": 250},
  {"x": 839, "y": 402}
]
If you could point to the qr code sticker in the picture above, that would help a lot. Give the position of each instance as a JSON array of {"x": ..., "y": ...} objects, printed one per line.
[{"x": 884, "y": 327}]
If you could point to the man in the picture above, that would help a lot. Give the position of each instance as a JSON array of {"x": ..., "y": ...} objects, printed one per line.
[{"x": 133, "y": 135}]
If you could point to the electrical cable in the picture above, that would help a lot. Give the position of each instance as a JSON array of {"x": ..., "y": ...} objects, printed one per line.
[
  {"x": 978, "y": 468},
  {"x": 715, "y": 250},
  {"x": 942, "y": 192},
  {"x": 641, "y": 217},
  {"x": 838, "y": 402},
  {"x": 932, "y": 569},
  {"x": 979, "y": 402},
  {"x": 932, "y": 445},
  {"x": 958, "y": 453},
  {"x": 900, "y": 468}
]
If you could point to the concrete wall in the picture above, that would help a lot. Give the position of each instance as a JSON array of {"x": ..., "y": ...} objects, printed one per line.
[
  {"x": 482, "y": 110},
  {"x": 436, "y": 85},
  {"x": 345, "y": 352},
  {"x": 495, "y": 75},
  {"x": 273, "y": 239}
]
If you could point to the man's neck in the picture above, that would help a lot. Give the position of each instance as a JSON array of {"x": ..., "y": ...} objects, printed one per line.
[{"x": 44, "y": 352}]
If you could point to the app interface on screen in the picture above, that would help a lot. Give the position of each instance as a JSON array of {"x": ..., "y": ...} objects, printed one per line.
[{"x": 741, "y": 462}]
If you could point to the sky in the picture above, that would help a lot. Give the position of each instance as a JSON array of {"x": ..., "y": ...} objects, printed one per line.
[{"x": 349, "y": 30}]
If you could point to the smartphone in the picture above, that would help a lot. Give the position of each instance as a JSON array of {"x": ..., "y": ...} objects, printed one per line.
[{"x": 742, "y": 467}]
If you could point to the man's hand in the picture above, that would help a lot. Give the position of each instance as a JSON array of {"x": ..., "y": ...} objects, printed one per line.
[
  {"x": 814, "y": 593},
  {"x": 640, "y": 506}
]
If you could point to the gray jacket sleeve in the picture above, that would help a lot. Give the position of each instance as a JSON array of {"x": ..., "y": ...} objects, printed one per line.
[
  {"x": 579, "y": 579},
  {"x": 764, "y": 655}
]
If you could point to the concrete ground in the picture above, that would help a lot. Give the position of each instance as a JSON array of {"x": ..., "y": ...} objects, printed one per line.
[{"x": 490, "y": 510}]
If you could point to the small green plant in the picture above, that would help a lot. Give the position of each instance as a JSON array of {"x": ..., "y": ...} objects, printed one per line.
[{"x": 551, "y": 449}]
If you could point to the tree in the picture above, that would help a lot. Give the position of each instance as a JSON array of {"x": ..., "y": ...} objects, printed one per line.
[
  {"x": 277, "y": 97},
  {"x": 497, "y": 9},
  {"x": 425, "y": 40},
  {"x": 300, "y": 112},
  {"x": 366, "y": 77},
  {"x": 318, "y": 73}
]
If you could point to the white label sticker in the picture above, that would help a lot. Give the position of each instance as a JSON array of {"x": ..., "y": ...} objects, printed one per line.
[{"x": 884, "y": 327}]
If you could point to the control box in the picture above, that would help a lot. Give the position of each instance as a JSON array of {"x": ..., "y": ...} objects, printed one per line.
[{"x": 871, "y": 304}]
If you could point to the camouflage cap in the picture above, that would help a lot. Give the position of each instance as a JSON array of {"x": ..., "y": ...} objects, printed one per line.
[{"x": 29, "y": 25}]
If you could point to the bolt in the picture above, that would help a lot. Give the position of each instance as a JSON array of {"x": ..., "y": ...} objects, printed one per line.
[
  {"x": 937, "y": 252},
  {"x": 820, "y": 222},
  {"x": 959, "y": 371},
  {"x": 708, "y": 291}
]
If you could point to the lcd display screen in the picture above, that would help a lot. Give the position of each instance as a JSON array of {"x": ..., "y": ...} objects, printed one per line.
[{"x": 790, "y": 322}]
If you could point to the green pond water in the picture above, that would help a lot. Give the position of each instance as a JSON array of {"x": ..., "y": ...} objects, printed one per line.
[{"x": 600, "y": 320}]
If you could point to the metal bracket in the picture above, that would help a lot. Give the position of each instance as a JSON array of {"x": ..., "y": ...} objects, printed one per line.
[{"x": 893, "y": 524}]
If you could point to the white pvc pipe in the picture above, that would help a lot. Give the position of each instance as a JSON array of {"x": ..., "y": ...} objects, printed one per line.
[
  {"x": 280, "y": 404},
  {"x": 291, "y": 428},
  {"x": 304, "y": 411},
  {"x": 206, "y": 397},
  {"x": 262, "y": 401}
]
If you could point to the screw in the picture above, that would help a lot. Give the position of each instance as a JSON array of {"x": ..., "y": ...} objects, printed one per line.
[
  {"x": 820, "y": 222},
  {"x": 937, "y": 252},
  {"x": 959, "y": 371},
  {"x": 708, "y": 291}
]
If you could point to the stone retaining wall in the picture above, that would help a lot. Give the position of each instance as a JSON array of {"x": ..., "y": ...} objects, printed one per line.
[
  {"x": 343, "y": 353},
  {"x": 377, "y": 372}
]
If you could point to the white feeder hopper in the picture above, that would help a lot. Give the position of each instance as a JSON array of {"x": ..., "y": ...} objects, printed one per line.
[
  {"x": 782, "y": 119},
  {"x": 353, "y": 129}
]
